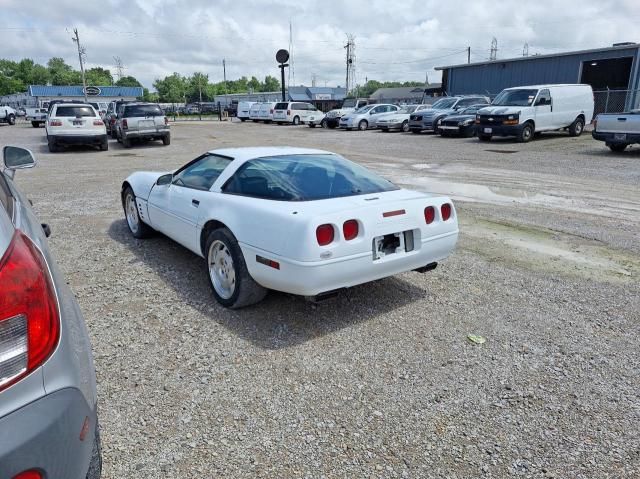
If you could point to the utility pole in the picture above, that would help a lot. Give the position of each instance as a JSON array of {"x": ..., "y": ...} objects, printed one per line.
[
  {"x": 351, "y": 63},
  {"x": 494, "y": 49},
  {"x": 313, "y": 80},
  {"x": 468, "y": 54},
  {"x": 224, "y": 75},
  {"x": 525, "y": 50},
  {"x": 119, "y": 67},
  {"x": 81, "y": 51}
]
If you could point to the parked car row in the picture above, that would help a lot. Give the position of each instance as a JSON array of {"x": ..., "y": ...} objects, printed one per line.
[{"x": 520, "y": 112}]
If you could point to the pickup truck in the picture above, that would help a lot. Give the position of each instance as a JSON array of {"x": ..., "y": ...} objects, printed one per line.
[
  {"x": 617, "y": 130},
  {"x": 37, "y": 116},
  {"x": 7, "y": 115}
]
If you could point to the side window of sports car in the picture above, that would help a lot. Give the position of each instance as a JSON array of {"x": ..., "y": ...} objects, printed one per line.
[{"x": 201, "y": 173}]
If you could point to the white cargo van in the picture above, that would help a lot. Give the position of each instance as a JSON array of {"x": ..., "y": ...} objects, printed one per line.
[
  {"x": 243, "y": 110},
  {"x": 265, "y": 112},
  {"x": 254, "y": 111},
  {"x": 524, "y": 111}
]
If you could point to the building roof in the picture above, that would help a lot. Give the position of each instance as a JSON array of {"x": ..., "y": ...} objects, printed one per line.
[
  {"x": 403, "y": 92},
  {"x": 303, "y": 93},
  {"x": 622, "y": 46},
  {"x": 76, "y": 90}
]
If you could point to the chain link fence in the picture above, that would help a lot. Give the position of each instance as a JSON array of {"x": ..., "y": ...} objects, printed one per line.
[{"x": 615, "y": 101}]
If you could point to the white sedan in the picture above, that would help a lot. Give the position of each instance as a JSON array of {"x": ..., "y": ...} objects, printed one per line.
[
  {"x": 306, "y": 222},
  {"x": 400, "y": 119}
]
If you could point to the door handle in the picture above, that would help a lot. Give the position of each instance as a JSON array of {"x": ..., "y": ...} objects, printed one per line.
[{"x": 195, "y": 203}]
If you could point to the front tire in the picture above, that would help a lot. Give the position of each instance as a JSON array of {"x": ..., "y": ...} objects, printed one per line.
[
  {"x": 526, "y": 134},
  {"x": 405, "y": 126},
  {"x": 363, "y": 125},
  {"x": 323, "y": 124},
  {"x": 166, "y": 139},
  {"x": 577, "y": 127},
  {"x": 11, "y": 119},
  {"x": 138, "y": 228},
  {"x": 232, "y": 285}
]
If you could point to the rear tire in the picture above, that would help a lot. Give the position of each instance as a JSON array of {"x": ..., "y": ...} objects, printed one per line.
[
  {"x": 137, "y": 227},
  {"x": 95, "y": 466},
  {"x": 232, "y": 285},
  {"x": 405, "y": 126},
  {"x": 296, "y": 120},
  {"x": 483, "y": 137},
  {"x": 323, "y": 124},
  {"x": 166, "y": 139},
  {"x": 617, "y": 147},
  {"x": 11, "y": 119},
  {"x": 312, "y": 125},
  {"x": 126, "y": 142},
  {"x": 53, "y": 148},
  {"x": 363, "y": 125},
  {"x": 526, "y": 134},
  {"x": 35, "y": 124},
  {"x": 104, "y": 146},
  {"x": 577, "y": 127},
  {"x": 243, "y": 120}
]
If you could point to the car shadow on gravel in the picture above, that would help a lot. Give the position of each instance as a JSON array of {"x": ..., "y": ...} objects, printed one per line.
[{"x": 281, "y": 320}]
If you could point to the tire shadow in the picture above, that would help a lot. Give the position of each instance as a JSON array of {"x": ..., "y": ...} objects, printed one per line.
[{"x": 280, "y": 320}]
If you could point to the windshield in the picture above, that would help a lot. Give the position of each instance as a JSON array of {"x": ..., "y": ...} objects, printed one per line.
[
  {"x": 515, "y": 98},
  {"x": 472, "y": 110},
  {"x": 408, "y": 109},
  {"x": 349, "y": 103},
  {"x": 75, "y": 111},
  {"x": 364, "y": 109},
  {"x": 304, "y": 178},
  {"x": 142, "y": 110},
  {"x": 444, "y": 104}
]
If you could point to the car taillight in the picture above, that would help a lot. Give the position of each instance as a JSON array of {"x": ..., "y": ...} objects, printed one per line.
[
  {"x": 98, "y": 123},
  {"x": 31, "y": 474},
  {"x": 324, "y": 234},
  {"x": 55, "y": 123},
  {"x": 445, "y": 211},
  {"x": 288, "y": 112},
  {"x": 429, "y": 214},
  {"x": 124, "y": 124},
  {"x": 350, "y": 229},
  {"x": 166, "y": 120},
  {"x": 29, "y": 319}
]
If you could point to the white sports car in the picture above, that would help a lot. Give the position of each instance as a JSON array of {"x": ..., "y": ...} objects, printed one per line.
[{"x": 302, "y": 221}]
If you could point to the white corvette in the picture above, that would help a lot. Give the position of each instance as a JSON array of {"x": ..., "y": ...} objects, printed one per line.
[{"x": 306, "y": 222}]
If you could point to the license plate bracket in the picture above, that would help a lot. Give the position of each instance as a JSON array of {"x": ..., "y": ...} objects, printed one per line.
[
  {"x": 619, "y": 136},
  {"x": 389, "y": 244}
]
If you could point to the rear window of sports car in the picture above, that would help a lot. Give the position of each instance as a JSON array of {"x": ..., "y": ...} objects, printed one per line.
[{"x": 304, "y": 178}]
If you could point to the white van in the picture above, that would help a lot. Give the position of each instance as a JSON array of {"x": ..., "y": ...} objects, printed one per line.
[
  {"x": 265, "y": 112},
  {"x": 254, "y": 112},
  {"x": 526, "y": 110},
  {"x": 294, "y": 112},
  {"x": 243, "y": 110}
]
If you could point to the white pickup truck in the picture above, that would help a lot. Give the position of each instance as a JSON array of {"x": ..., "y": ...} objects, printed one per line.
[
  {"x": 37, "y": 116},
  {"x": 617, "y": 130},
  {"x": 7, "y": 115}
]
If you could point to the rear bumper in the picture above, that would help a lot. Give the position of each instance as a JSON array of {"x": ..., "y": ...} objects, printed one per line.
[
  {"x": 610, "y": 138},
  {"x": 499, "y": 130},
  {"x": 78, "y": 139},
  {"x": 313, "y": 278},
  {"x": 45, "y": 435},
  {"x": 152, "y": 135}
]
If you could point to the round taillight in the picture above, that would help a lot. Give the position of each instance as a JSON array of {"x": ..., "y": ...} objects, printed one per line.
[
  {"x": 350, "y": 229},
  {"x": 429, "y": 214},
  {"x": 445, "y": 210},
  {"x": 324, "y": 234}
]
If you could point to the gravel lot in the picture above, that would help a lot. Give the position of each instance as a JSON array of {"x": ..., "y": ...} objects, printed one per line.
[{"x": 382, "y": 381}]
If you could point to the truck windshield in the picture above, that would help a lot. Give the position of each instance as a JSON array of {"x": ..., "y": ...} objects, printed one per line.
[{"x": 515, "y": 98}]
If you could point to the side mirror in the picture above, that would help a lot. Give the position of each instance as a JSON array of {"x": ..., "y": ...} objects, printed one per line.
[
  {"x": 16, "y": 158},
  {"x": 165, "y": 179}
]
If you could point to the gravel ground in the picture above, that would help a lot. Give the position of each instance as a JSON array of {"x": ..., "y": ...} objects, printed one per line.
[{"x": 382, "y": 381}]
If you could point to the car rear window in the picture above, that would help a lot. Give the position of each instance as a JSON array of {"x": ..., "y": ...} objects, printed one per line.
[
  {"x": 282, "y": 106},
  {"x": 142, "y": 110},
  {"x": 75, "y": 111},
  {"x": 304, "y": 178}
]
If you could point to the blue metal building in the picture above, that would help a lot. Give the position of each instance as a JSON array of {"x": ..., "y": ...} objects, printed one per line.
[
  {"x": 612, "y": 72},
  {"x": 36, "y": 95}
]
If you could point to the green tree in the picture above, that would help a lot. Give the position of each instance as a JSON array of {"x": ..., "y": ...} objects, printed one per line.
[
  {"x": 254, "y": 84},
  {"x": 171, "y": 89},
  {"x": 62, "y": 74},
  {"x": 270, "y": 84},
  {"x": 98, "y": 76},
  {"x": 196, "y": 84},
  {"x": 9, "y": 78},
  {"x": 128, "y": 81}
]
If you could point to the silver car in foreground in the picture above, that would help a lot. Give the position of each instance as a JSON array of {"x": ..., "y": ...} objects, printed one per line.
[{"x": 48, "y": 419}]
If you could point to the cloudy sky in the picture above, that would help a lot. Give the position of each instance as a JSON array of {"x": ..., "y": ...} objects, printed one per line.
[{"x": 394, "y": 40}]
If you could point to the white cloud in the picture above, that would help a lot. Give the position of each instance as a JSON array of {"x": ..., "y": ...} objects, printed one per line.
[{"x": 394, "y": 41}]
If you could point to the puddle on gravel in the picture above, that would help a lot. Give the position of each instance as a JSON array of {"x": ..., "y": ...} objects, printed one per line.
[{"x": 547, "y": 250}]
